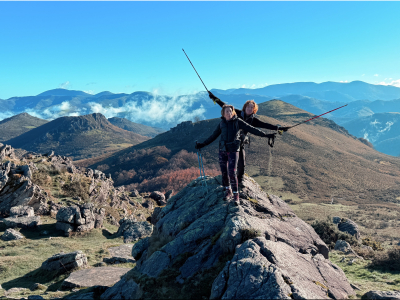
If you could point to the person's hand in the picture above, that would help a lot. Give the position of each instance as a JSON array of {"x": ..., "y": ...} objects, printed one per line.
[
  {"x": 284, "y": 129},
  {"x": 199, "y": 145},
  {"x": 212, "y": 96}
]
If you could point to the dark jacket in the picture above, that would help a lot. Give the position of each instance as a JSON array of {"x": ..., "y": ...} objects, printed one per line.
[
  {"x": 230, "y": 134},
  {"x": 252, "y": 119}
]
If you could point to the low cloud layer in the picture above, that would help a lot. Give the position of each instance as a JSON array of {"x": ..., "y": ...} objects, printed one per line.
[
  {"x": 395, "y": 83},
  {"x": 5, "y": 115}
]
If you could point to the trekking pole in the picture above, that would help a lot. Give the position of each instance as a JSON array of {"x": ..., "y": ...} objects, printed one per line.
[
  {"x": 200, "y": 159},
  {"x": 316, "y": 117},
  {"x": 195, "y": 70}
]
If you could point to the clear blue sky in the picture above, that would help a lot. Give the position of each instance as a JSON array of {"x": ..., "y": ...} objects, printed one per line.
[{"x": 137, "y": 46}]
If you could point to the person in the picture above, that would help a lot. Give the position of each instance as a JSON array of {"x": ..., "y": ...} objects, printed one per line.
[
  {"x": 247, "y": 114},
  {"x": 230, "y": 128}
]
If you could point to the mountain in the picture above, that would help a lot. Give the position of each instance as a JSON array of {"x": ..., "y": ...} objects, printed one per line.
[
  {"x": 330, "y": 91},
  {"x": 17, "y": 125},
  {"x": 313, "y": 161},
  {"x": 64, "y": 92},
  {"x": 381, "y": 129},
  {"x": 135, "y": 127},
  {"x": 77, "y": 137}
]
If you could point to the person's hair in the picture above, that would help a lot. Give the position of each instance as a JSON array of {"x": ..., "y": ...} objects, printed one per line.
[
  {"x": 228, "y": 106},
  {"x": 255, "y": 109}
]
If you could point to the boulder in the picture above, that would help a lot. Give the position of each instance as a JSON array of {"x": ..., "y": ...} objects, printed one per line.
[
  {"x": 79, "y": 218},
  {"x": 22, "y": 222},
  {"x": 342, "y": 246},
  {"x": 101, "y": 276},
  {"x": 120, "y": 254},
  {"x": 133, "y": 230},
  {"x": 19, "y": 211},
  {"x": 11, "y": 234},
  {"x": 64, "y": 262},
  {"x": 382, "y": 295},
  {"x": 159, "y": 198},
  {"x": 350, "y": 227}
]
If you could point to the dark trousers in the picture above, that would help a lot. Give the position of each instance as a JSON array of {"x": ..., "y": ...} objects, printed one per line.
[
  {"x": 241, "y": 164},
  {"x": 228, "y": 162}
]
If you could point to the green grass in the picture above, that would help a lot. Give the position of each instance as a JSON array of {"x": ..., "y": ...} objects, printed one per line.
[
  {"x": 20, "y": 260},
  {"x": 365, "y": 277}
]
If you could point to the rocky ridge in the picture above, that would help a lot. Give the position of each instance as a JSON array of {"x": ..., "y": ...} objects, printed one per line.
[{"x": 259, "y": 248}]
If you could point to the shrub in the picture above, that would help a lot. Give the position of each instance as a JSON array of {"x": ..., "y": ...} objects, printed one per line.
[
  {"x": 330, "y": 234},
  {"x": 389, "y": 260},
  {"x": 249, "y": 233},
  {"x": 369, "y": 241},
  {"x": 78, "y": 188}
]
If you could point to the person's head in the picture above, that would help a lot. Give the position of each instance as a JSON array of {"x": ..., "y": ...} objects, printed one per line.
[
  {"x": 250, "y": 107},
  {"x": 228, "y": 111}
]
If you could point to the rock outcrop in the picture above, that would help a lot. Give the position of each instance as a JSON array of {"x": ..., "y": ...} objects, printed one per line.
[
  {"x": 64, "y": 262},
  {"x": 120, "y": 254},
  {"x": 11, "y": 234},
  {"x": 132, "y": 230},
  {"x": 78, "y": 218},
  {"x": 269, "y": 252},
  {"x": 158, "y": 197},
  {"x": 22, "y": 217}
]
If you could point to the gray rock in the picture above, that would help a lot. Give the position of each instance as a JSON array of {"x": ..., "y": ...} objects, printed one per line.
[
  {"x": 22, "y": 222},
  {"x": 155, "y": 215},
  {"x": 132, "y": 230},
  {"x": 69, "y": 214},
  {"x": 266, "y": 269},
  {"x": 123, "y": 289},
  {"x": 350, "y": 227},
  {"x": 134, "y": 193},
  {"x": 64, "y": 262},
  {"x": 148, "y": 204},
  {"x": 342, "y": 246},
  {"x": 26, "y": 171},
  {"x": 158, "y": 197},
  {"x": 336, "y": 220},
  {"x": 168, "y": 195},
  {"x": 19, "y": 211},
  {"x": 277, "y": 255},
  {"x": 67, "y": 228},
  {"x": 102, "y": 276},
  {"x": 139, "y": 248},
  {"x": 121, "y": 254},
  {"x": 382, "y": 295},
  {"x": 49, "y": 154},
  {"x": 11, "y": 234}
]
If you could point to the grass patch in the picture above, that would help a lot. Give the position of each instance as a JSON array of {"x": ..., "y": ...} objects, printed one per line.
[{"x": 249, "y": 233}]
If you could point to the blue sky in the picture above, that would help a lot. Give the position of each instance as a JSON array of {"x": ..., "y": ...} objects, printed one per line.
[{"x": 124, "y": 47}]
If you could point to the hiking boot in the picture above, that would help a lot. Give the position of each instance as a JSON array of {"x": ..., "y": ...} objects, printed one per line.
[
  {"x": 228, "y": 194},
  {"x": 236, "y": 198}
]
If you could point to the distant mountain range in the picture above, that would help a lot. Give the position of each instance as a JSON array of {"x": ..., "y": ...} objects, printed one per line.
[
  {"x": 77, "y": 137},
  {"x": 166, "y": 112}
]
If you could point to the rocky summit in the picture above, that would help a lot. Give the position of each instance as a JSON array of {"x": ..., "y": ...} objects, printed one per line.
[{"x": 203, "y": 246}]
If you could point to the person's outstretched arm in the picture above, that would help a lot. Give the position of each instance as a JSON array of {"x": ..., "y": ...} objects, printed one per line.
[
  {"x": 260, "y": 124},
  {"x": 248, "y": 128},
  {"x": 210, "y": 139},
  {"x": 222, "y": 103}
]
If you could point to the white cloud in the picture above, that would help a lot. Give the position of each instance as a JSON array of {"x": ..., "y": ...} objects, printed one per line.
[
  {"x": 56, "y": 111},
  {"x": 344, "y": 81},
  {"x": 393, "y": 82},
  {"x": 91, "y": 92},
  {"x": 363, "y": 75},
  {"x": 243, "y": 86},
  {"x": 64, "y": 85},
  {"x": 376, "y": 75},
  {"x": 157, "y": 109},
  {"x": 5, "y": 115}
]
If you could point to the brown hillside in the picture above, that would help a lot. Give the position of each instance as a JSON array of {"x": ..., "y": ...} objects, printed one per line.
[{"x": 314, "y": 161}]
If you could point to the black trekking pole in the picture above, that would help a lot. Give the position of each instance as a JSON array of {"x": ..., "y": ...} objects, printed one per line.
[
  {"x": 195, "y": 71},
  {"x": 316, "y": 117}
]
